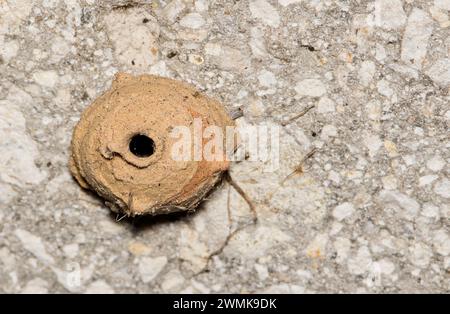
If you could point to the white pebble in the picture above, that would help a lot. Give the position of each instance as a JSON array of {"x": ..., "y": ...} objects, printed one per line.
[
  {"x": 267, "y": 78},
  {"x": 264, "y": 11},
  {"x": 150, "y": 267},
  {"x": 310, "y": 87},
  {"x": 442, "y": 188},
  {"x": 343, "y": 211},
  {"x": 325, "y": 105},
  {"x": 192, "y": 20},
  {"x": 415, "y": 38},
  {"x": 46, "y": 78},
  {"x": 389, "y": 14},
  {"x": 436, "y": 163}
]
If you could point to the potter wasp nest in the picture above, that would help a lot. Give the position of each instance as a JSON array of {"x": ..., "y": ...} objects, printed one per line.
[{"x": 122, "y": 146}]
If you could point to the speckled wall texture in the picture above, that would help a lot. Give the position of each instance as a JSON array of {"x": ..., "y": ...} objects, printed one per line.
[{"x": 369, "y": 212}]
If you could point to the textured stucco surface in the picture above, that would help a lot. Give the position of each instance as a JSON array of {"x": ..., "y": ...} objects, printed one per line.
[{"x": 369, "y": 213}]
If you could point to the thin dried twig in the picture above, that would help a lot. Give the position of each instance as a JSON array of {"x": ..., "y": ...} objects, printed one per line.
[
  {"x": 301, "y": 114},
  {"x": 299, "y": 168},
  {"x": 243, "y": 194},
  {"x": 231, "y": 234},
  {"x": 119, "y": 218}
]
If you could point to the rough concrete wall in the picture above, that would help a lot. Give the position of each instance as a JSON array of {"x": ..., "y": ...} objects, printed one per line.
[{"x": 369, "y": 212}]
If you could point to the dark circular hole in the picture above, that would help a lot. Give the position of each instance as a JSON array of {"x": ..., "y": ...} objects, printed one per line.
[{"x": 142, "y": 145}]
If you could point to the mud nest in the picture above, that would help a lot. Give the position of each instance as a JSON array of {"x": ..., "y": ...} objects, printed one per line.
[{"x": 122, "y": 147}]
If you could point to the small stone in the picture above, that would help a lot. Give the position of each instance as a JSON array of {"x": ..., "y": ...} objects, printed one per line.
[
  {"x": 267, "y": 79},
  {"x": 34, "y": 245},
  {"x": 334, "y": 176},
  {"x": 71, "y": 250},
  {"x": 439, "y": 72},
  {"x": 447, "y": 115},
  {"x": 173, "y": 281},
  {"x": 46, "y": 78},
  {"x": 430, "y": 211},
  {"x": 409, "y": 205},
  {"x": 361, "y": 262},
  {"x": 257, "y": 44},
  {"x": 50, "y": 3},
  {"x": 420, "y": 255},
  {"x": 442, "y": 4},
  {"x": 171, "y": 11},
  {"x": 60, "y": 48},
  {"x": 201, "y": 5},
  {"x": 389, "y": 182},
  {"x": 405, "y": 70},
  {"x": 342, "y": 247},
  {"x": 389, "y": 14},
  {"x": 135, "y": 43},
  {"x": 391, "y": 148},
  {"x": 8, "y": 50},
  {"x": 138, "y": 248},
  {"x": 384, "y": 266},
  {"x": 343, "y": 211},
  {"x": 310, "y": 87},
  {"x": 110, "y": 226},
  {"x": 192, "y": 20},
  {"x": 262, "y": 271},
  {"x": 325, "y": 105},
  {"x": 285, "y": 3},
  {"x": 150, "y": 267},
  {"x": 99, "y": 287},
  {"x": 36, "y": 286},
  {"x": 425, "y": 180},
  {"x": 447, "y": 263},
  {"x": 7, "y": 193},
  {"x": 227, "y": 58},
  {"x": 317, "y": 247},
  {"x": 373, "y": 144},
  {"x": 384, "y": 88},
  {"x": 380, "y": 53},
  {"x": 442, "y": 188},
  {"x": 415, "y": 38},
  {"x": 436, "y": 163},
  {"x": 373, "y": 110},
  {"x": 264, "y": 11},
  {"x": 213, "y": 49},
  {"x": 440, "y": 16},
  {"x": 366, "y": 72},
  {"x": 196, "y": 59},
  {"x": 328, "y": 131},
  {"x": 441, "y": 242}
]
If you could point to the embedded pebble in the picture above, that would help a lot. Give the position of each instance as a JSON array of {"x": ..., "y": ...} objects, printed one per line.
[
  {"x": 439, "y": 72},
  {"x": 34, "y": 245},
  {"x": 19, "y": 150},
  {"x": 343, "y": 211},
  {"x": 325, "y": 105},
  {"x": 389, "y": 14},
  {"x": 36, "y": 286},
  {"x": 285, "y": 3},
  {"x": 46, "y": 78},
  {"x": 135, "y": 43},
  {"x": 415, "y": 39},
  {"x": 150, "y": 267},
  {"x": 310, "y": 87},
  {"x": 409, "y": 205},
  {"x": 192, "y": 20},
  {"x": 99, "y": 287},
  {"x": 442, "y": 188},
  {"x": 263, "y": 10}
]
